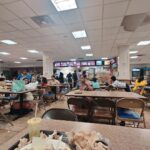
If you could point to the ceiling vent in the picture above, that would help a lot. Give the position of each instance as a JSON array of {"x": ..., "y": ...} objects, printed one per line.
[
  {"x": 132, "y": 22},
  {"x": 43, "y": 21},
  {"x": 39, "y": 60}
]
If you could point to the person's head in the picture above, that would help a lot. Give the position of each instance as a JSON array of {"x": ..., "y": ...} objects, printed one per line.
[
  {"x": 94, "y": 80},
  {"x": 44, "y": 80},
  {"x": 74, "y": 71},
  {"x": 26, "y": 81},
  {"x": 141, "y": 78},
  {"x": 113, "y": 78},
  {"x": 53, "y": 77}
]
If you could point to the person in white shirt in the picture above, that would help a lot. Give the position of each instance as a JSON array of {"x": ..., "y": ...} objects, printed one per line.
[{"x": 118, "y": 84}]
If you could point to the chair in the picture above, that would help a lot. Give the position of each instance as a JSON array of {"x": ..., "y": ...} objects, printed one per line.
[
  {"x": 103, "y": 109},
  {"x": 131, "y": 110},
  {"x": 79, "y": 106},
  {"x": 59, "y": 114}
]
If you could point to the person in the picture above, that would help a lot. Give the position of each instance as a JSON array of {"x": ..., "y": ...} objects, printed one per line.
[
  {"x": 85, "y": 85},
  {"x": 118, "y": 84},
  {"x": 28, "y": 76},
  {"x": 19, "y": 76},
  {"x": 61, "y": 78},
  {"x": 53, "y": 81},
  {"x": 69, "y": 77},
  {"x": 139, "y": 85},
  {"x": 44, "y": 81},
  {"x": 95, "y": 84},
  {"x": 75, "y": 79}
]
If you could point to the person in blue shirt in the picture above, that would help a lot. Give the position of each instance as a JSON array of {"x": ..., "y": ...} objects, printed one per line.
[{"x": 95, "y": 84}]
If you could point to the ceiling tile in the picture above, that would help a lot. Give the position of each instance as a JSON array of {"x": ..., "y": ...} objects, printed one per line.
[
  {"x": 18, "y": 34},
  {"x": 19, "y": 24},
  {"x": 92, "y": 13},
  {"x": 88, "y": 3},
  {"x": 138, "y": 6},
  {"x": 6, "y": 14},
  {"x": 7, "y": 1},
  {"x": 113, "y": 22},
  {"x": 46, "y": 31},
  {"x": 60, "y": 29},
  {"x": 6, "y": 27},
  {"x": 115, "y": 9},
  {"x": 31, "y": 23},
  {"x": 71, "y": 16},
  {"x": 32, "y": 33},
  {"x": 90, "y": 25},
  {"x": 113, "y": 1},
  {"x": 94, "y": 35},
  {"x": 20, "y": 9},
  {"x": 75, "y": 27},
  {"x": 111, "y": 31},
  {"x": 41, "y": 7}
]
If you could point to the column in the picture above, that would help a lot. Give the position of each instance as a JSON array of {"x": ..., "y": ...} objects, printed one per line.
[
  {"x": 47, "y": 66},
  {"x": 124, "y": 62}
]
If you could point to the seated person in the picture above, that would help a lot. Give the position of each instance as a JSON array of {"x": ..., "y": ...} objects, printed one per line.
[
  {"x": 118, "y": 84},
  {"x": 95, "y": 84},
  {"x": 53, "y": 81},
  {"x": 44, "y": 82},
  {"x": 139, "y": 85},
  {"x": 85, "y": 84}
]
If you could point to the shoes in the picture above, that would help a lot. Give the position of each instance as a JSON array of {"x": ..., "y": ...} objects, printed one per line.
[{"x": 122, "y": 123}]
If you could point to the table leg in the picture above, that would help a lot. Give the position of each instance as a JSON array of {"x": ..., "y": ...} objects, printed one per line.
[{"x": 21, "y": 104}]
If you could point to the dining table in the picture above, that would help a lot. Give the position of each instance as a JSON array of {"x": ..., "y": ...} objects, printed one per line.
[
  {"x": 105, "y": 94},
  {"x": 120, "y": 138},
  {"x": 21, "y": 99}
]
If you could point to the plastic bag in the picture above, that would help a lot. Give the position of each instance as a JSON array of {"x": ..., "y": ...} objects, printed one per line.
[
  {"x": 18, "y": 85},
  {"x": 31, "y": 86}
]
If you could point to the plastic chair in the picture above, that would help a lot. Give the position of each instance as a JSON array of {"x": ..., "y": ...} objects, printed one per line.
[
  {"x": 103, "y": 109},
  {"x": 127, "y": 111},
  {"x": 59, "y": 114},
  {"x": 80, "y": 106}
]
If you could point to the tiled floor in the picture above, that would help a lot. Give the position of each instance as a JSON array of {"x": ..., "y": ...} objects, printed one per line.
[{"x": 7, "y": 131}]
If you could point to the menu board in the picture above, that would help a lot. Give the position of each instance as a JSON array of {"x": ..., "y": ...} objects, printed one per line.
[
  {"x": 84, "y": 63},
  {"x": 57, "y": 64},
  {"x": 99, "y": 63},
  {"x": 107, "y": 62},
  {"x": 91, "y": 63},
  {"x": 63, "y": 64}
]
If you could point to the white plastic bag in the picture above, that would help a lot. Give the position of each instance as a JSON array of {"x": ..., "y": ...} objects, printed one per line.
[{"x": 31, "y": 86}]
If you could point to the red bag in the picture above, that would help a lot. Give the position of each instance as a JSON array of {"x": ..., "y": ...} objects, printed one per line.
[{"x": 26, "y": 105}]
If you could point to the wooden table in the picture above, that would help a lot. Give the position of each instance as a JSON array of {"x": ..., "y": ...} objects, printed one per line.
[
  {"x": 21, "y": 95},
  {"x": 105, "y": 94},
  {"x": 121, "y": 138}
]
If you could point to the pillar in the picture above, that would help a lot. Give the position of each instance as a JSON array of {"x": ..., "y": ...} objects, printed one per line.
[
  {"x": 47, "y": 66},
  {"x": 123, "y": 62}
]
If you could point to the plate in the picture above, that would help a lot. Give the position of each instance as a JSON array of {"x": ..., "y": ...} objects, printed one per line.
[{"x": 55, "y": 144}]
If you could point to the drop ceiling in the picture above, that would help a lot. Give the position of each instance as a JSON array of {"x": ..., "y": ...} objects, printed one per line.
[{"x": 100, "y": 18}]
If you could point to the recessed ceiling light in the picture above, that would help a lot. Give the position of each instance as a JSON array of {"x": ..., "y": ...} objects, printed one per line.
[
  {"x": 73, "y": 59},
  {"x": 33, "y": 51},
  {"x": 86, "y": 47},
  {"x": 89, "y": 55},
  {"x": 9, "y": 42},
  {"x": 143, "y": 43},
  {"x": 17, "y": 62},
  {"x": 133, "y": 52},
  {"x": 62, "y": 5},
  {"x": 4, "y": 53},
  {"x": 79, "y": 34},
  {"x": 104, "y": 58},
  {"x": 134, "y": 57},
  {"x": 23, "y": 58}
]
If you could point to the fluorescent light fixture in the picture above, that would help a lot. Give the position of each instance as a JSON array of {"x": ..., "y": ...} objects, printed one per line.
[
  {"x": 79, "y": 34},
  {"x": 73, "y": 59},
  {"x": 4, "y": 53},
  {"x": 133, "y": 52},
  {"x": 17, "y": 62},
  {"x": 33, "y": 51},
  {"x": 89, "y": 55},
  {"x": 142, "y": 43},
  {"x": 23, "y": 58},
  {"x": 9, "y": 42},
  {"x": 86, "y": 47},
  {"x": 62, "y": 5},
  {"x": 134, "y": 57},
  {"x": 104, "y": 58}
]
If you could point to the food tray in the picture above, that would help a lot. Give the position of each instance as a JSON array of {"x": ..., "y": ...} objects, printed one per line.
[{"x": 64, "y": 139}]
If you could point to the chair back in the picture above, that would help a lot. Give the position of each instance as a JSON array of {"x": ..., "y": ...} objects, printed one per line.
[
  {"x": 59, "y": 114},
  {"x": 79, "y": 102},
  {"x": 103, "y": 103},
  {"x": 130, "y": 103}
]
